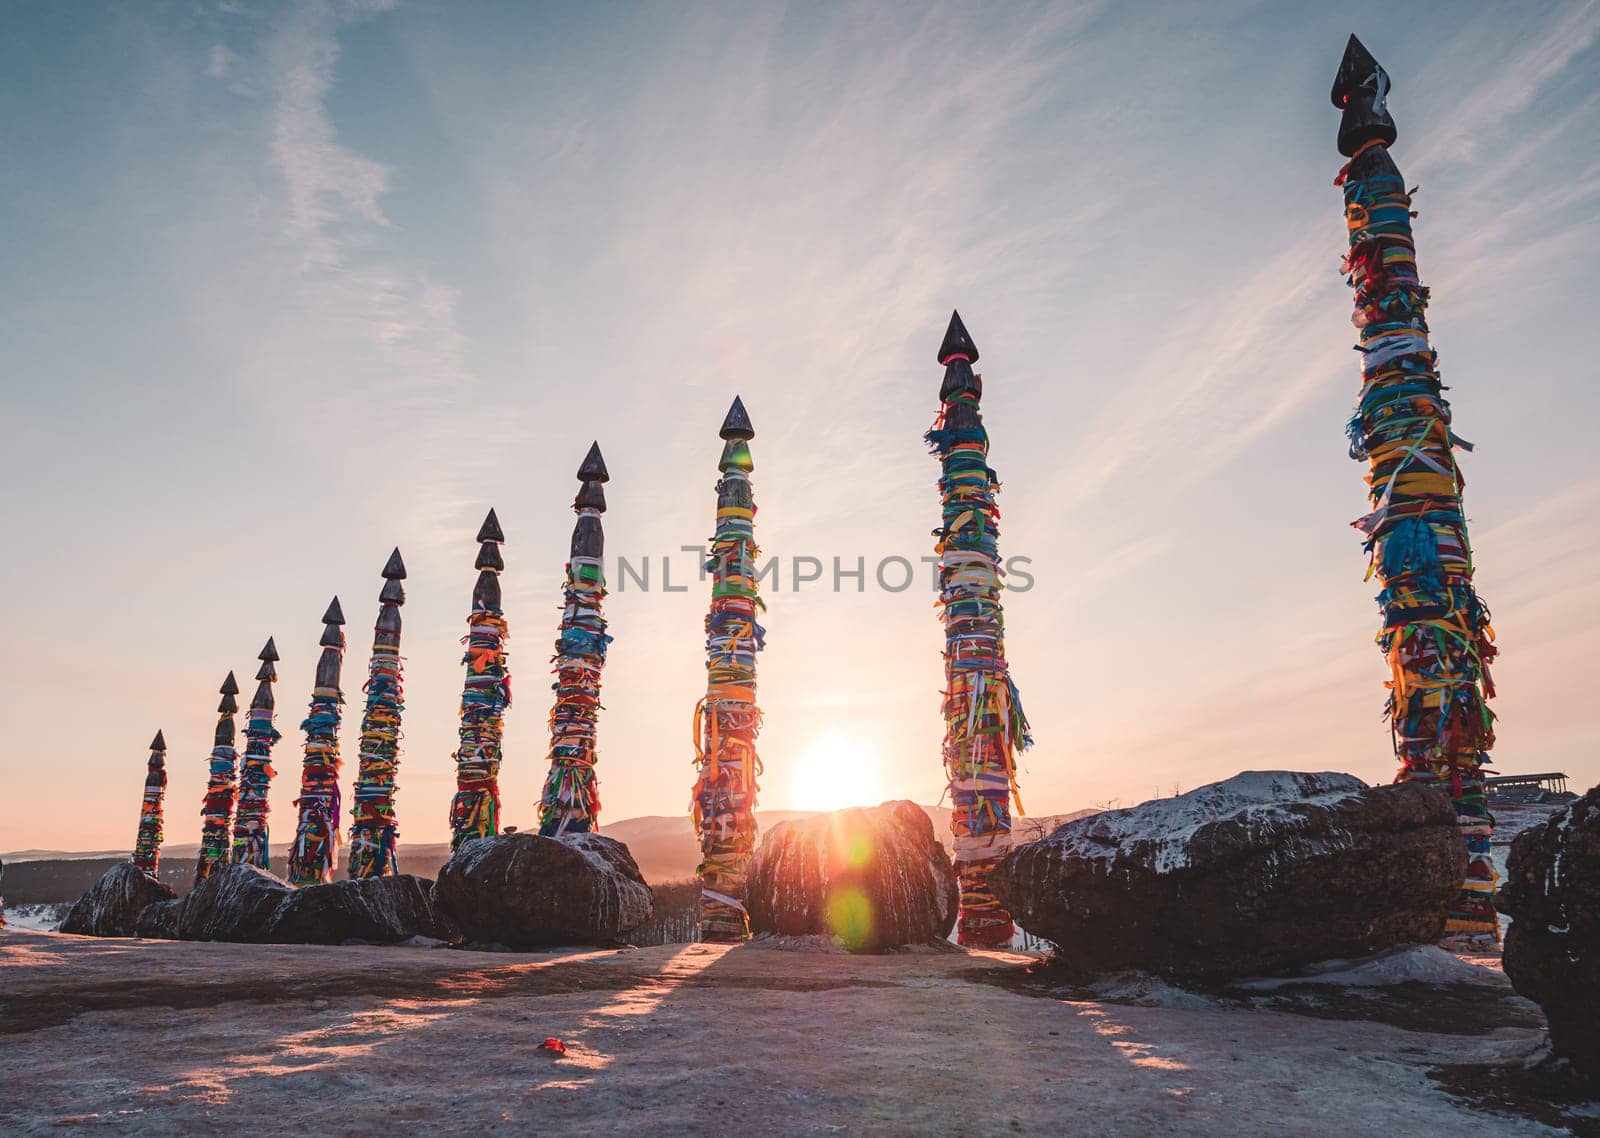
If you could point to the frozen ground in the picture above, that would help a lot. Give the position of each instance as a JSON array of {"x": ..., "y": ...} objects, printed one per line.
[{"x": 128, "y": 1037}]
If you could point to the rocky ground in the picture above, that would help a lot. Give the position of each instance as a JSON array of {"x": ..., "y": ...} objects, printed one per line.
[{"x": 156, "y": 1038}]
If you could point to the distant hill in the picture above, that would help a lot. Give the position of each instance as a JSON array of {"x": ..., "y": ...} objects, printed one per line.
[{"x": 664, "y": 847}]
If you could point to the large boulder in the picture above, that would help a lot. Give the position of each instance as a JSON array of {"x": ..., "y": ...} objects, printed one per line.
[
  {"x": 235, "y": 903},
  {"x": 111, "y": 906},
  {"x": 876, "y": 878},
  {"x": 160, "y": 920},
  {"x": 1552, "y": 952},
  {"x": 381, "y": 910},
  {"x": 526, "y": 891},
  {"x": 1263, "y": 872}
]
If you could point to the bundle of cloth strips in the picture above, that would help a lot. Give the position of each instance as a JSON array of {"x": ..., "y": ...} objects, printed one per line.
[
  {"x": 570, "y": 803},
  {"x": 317, "y": 833},
  {"x": 475, "y": 809},
  {"x": 216, "y": 810},
  {"x": 727, "y": 720},
  {"x": 984, "y": 722},
  {"x": 1436, "y": 634},
  {"x": 255, "y": 768},
  {"x": 373, "y": 832}
]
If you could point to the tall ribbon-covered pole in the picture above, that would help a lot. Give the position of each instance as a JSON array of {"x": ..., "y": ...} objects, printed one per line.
[
  {"x": 475, "y": 810},
  {"x": 255, "y": 770},
  {"x": 373, "y": 832},
  {"x": 1436, "y": 634},
  {"x": 317, "y": 833},
  {"x": 571, "y": 800},
  {"x": 984, "y": 723},
  {"x": 147, "y": 846},
  {"x": 216, "y": 811},
  {"x": 728, "y": 719}
]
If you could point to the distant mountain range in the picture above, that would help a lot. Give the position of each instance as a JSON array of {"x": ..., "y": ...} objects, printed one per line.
[{"x": 664, "y": 846}]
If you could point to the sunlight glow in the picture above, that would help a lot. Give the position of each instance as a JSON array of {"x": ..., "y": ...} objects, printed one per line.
[{"x": 836, "y": 771}]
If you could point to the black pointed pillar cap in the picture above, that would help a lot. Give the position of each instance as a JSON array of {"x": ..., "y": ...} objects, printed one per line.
[
  {"x": 490, "y": 529},
  {"x": 159, "y": 743},
  {"x": 957, "y": 341},
  {"x": 267, "y": 671},
  {"x": 331, "y": 637},
  {"x": 335, "y": 614},
  {"x": 737, "y": 424},
  {"x": 394, "y": 569},
  {"x": 594, "y": 466},
  {"x": 1357, "y": 66},
  {"x": 1361, "y": 92},
  {"x": 392, "y": 593},
  {"x": 269, "y": 651},
  {"x": 227, "y": 705},
  {"x": 489, "y": 557},
  {"x": 230, "y": 686}
]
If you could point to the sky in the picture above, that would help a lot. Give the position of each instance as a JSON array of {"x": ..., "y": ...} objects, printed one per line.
[{"x": 284, "y": 286}]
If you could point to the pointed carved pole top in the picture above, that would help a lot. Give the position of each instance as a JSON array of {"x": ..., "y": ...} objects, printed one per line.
[
  {"x": 737, "y": 423},
  {"x": 159, "y": 743},
  {"x": 490, "y": 529},
  {"x": 394, "y": 569},
  {"x": 957, "y": 342},
  {"x": 1361, "y": 92}
]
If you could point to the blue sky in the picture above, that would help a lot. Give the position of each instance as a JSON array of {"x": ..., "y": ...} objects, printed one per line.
[{"x": 286, "y": 285}]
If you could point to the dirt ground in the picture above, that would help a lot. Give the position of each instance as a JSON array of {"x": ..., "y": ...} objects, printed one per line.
[{"x": 129, "y": 1037}]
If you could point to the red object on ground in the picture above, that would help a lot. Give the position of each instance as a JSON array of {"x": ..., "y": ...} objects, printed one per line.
[{"x": 554, "y": 1044}]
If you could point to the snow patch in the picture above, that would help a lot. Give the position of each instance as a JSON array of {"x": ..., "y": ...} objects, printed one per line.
[
  {"x": 1262, "y": 801},
  {"x": 1417, "y": 963}
]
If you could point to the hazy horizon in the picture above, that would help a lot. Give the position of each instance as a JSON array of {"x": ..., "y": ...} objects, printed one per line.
[{"x": 288, "y": 286}]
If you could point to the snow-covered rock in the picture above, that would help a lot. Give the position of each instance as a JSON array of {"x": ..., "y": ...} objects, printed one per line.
[
  {"x": 1552, "y": 953},
  {"x": 376, "y": 910},
  {"x": 875, "y": 878},
  {"x": 1262, "y": 872},
  {"x": 111, "y": 906},
  {"x": 525, "y": 890}
]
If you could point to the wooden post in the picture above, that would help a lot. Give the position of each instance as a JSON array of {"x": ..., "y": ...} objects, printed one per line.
[
  {"x": 317, "y": 835},
  {"x": 255, "y": 770},
  {"x": 571, "y": 800},
  {"x": 728, "y": 719},
  {"x": 984, "y": 723},
  {"x": 147, "y": 846},
  {"x": 1436, "y": 634},
  {"x": 216, "y": 812},
  {"x": 475, "y": 810},
  {"x": 373, "y": 833}
]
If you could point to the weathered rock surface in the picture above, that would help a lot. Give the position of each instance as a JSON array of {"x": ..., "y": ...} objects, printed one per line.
[
  {"x": 1263, "y": 872},
  {"x": 1552, "y": 951},
  {"x": 235, "y": 903},
  {"x": 160, "y": 920},
  {"x": 876, "y": 878},
  {"x": 528, "y": 891},
  {"x": 379, "y": 910},
  {"x": 111, "y": 906}
]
